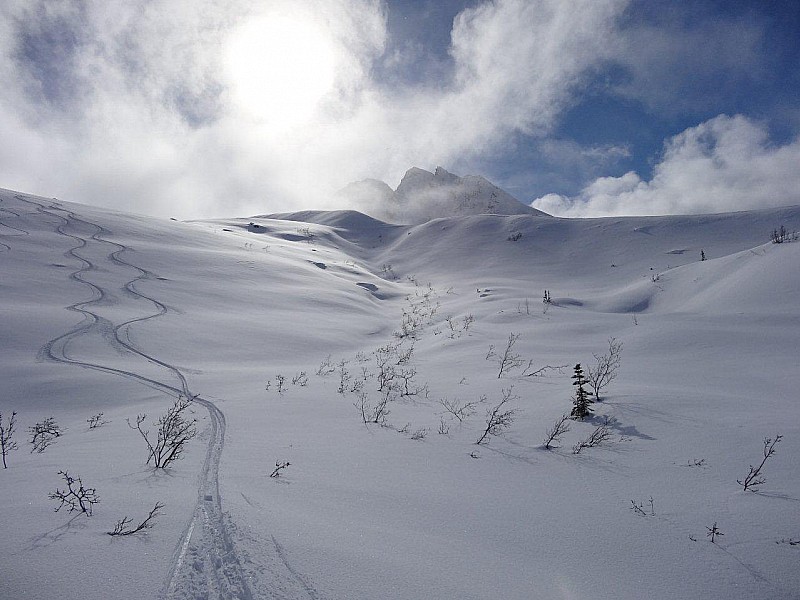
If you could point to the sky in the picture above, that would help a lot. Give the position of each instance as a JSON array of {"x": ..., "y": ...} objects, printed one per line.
[{"x": 201, "y": 108}]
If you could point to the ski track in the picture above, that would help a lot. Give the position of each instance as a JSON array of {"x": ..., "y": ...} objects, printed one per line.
[{"x": 214, "y": 570}]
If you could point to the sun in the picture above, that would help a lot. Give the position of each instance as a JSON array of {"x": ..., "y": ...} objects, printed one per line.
[{"x": 280, "y": 67}]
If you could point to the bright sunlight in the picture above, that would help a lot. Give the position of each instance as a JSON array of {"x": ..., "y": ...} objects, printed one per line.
[{"x": 280, "y": 66}]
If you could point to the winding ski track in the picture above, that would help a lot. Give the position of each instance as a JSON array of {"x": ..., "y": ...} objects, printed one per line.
[{"x": 205, "y": 564}]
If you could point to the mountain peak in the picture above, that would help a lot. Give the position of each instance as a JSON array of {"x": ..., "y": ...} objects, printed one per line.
[{"x": 422, "y": 196}]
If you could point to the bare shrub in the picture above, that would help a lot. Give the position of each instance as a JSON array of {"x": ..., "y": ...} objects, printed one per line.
[
  {"x": 6, "y": 433},
  {"x": 279, "y": 466},
  {"x": 44, "y": 434},
  {"x": 75, "y": 497},
  {"x": 713, "y": 532},
  {"x": 300, "y": 379},
  {"x": 605, "y": 368},
  {"x": 173, "y": 432},
  {"x": 554, "y": 433},
  {"x": 754, "y": 478},
  {"x": 601, "y": 434},
  {"x": 457, "y": 409},
  {"x": 96, "y": 421},
  {"x": 419, "y": 434},
  {"x": 376, "y": 413},
  {"x": 123, "y": 526},
  {"x": 344, "y": 377},
  {"x": 326, "y": 367},
  {"x": 499, "y": 418},
  {"x": 507, "y": 360}
]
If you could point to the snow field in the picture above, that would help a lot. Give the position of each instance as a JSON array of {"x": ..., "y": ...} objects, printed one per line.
[{"x": 709, "y": 368}]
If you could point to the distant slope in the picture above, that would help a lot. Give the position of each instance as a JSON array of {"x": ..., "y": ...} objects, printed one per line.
[{"x": 422, "y": 196}]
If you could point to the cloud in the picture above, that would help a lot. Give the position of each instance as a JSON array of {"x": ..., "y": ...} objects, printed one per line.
[
  {"x": 724, "y": 164},
  {"x": 128, "y": 103}
]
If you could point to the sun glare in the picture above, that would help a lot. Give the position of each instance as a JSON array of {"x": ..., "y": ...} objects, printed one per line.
[{"x": 280, "y": 67}]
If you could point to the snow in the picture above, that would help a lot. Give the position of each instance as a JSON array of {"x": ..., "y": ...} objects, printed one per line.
[{"x": 115, "y": 313}]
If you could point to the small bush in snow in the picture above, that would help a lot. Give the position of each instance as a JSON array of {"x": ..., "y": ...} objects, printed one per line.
[
  {"x": 300, "y": 379},
  {"x": 457, "y": 409},
  {"x": 507, "y": 360},
  {"x": 373, "y": 413},
  {"x": 123, "y": 526},
  {"x": 44, "y": 434},
  {"x": 606, "y": 366},
  {"x": 600, "y": 434},
  {"x": 754, "y": 477},
  {"x": 6, "y": 433},
  {"x": 279, "y": 466},
  {"x": 559, "y": 428},
  {"x": 499, "y": 418},
  {"x": 96, "y": 421},
  {"x": 713, "y": 532},
  {"x": 173, "y": 432},
  {"x": 75, "y": 497},
  {"x": 326, "y": 367},
  {"x": 778, "y": 236}
]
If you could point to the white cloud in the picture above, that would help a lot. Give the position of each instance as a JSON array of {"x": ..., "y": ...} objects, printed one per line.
[
  {"x": 724, "y": 164},
  {"x": 142, "y": 117}
]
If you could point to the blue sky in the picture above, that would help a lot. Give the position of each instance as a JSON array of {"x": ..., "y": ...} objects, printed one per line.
[{"x": 222, "y": 107}]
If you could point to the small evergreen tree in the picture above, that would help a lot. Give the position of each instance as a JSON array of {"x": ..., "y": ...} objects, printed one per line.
[{"x": 580, "y": 408}]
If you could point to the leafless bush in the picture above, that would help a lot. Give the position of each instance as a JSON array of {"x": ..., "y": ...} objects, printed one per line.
[
  {"x": 123, "y": 526},
  {"x": 174, "y": 431},
  {"x": 344, "y": 377},
  {"x": 44, "y": 434},
  {"x": 713, "y": 532},
  {"x": 500, "y": 417},
  {"x": 754, "y": 478},
  {"x": 457, "y": 409},
  {"x": 6, "y": 433},
  {"x": 300, "y": 379},
  {"x": 602, "y": 433},
  {"x": 326, "y": 367},
  {"x": 406, "y": 385},
  {"x": 96, "y": 421},
  {"x": 419, "y": 434},
  {"x": 778, "y": 236},
  {"x": 75, "y": 497},
  {"x": 638, "y": 507},
  {"x": 606, "y": 366},
  {"x": 280, "y": 383},
  {"x": 559, "y": 428},
  {"x": 458, "y": 328},
  {"x": 544, "y": 371},
  {"x": 279, "y": 466},
  {"x": 507, "y": 360},
  {"x": 444, "y": 428},
  {"x": 373, "y": 413}
]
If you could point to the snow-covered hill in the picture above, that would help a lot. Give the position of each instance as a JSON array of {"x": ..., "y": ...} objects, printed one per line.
[
  {"x": 422, "y": 196},
  {"x": 281, "y": 328}
]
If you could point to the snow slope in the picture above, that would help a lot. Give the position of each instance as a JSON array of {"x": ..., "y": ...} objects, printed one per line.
[{"x": 113, "y": 313}]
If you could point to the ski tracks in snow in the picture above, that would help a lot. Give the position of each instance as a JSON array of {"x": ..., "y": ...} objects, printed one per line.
[{"x": 205, "y": 564}]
